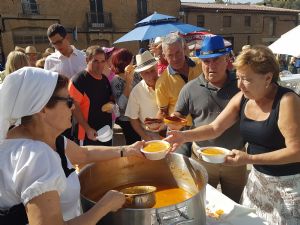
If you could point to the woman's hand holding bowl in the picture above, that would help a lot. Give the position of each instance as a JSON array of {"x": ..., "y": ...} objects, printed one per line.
[{"x": 238, "y": 158}]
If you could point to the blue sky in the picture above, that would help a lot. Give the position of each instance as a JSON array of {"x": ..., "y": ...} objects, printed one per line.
[{"x": 233, "y": 1}]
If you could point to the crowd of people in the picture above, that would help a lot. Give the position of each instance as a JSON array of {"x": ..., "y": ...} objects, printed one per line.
[
  {"x": 289, "y": 63},
  {"x": 51, "y": 109}
]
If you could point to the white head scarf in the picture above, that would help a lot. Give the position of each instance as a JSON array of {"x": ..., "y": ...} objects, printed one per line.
[{"x": 24, "y": 93}]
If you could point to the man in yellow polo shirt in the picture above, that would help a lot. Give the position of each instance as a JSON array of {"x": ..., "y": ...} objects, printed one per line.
[{"x": 180, "y": 70}]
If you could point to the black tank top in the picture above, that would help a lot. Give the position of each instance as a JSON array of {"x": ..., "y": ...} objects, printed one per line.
[
  {"x": 265, "y": 136},
  {"x": 16, "y": 215}
]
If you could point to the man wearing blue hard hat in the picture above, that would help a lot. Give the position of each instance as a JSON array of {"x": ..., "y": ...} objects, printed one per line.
[{"x": 204, "y": 98}]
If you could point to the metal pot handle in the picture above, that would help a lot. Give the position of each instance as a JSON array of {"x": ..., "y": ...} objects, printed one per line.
[
  {"x": 184, "y": 221},
  {"x": 128, "y": 200},
  {"x": 179, "y": 222}
]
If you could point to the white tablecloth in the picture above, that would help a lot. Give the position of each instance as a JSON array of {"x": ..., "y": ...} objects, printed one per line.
[
  {"x": 234, "y": 214},
  {"x": 291, "y": 81},
  {"x": 290, "y": 77}
]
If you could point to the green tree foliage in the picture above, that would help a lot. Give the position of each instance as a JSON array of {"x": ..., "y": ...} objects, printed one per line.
[{"x": 287, "y": 4}]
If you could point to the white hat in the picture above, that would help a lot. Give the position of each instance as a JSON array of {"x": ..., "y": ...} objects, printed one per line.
[
  {"x": 23, "y": 93},
  {"x": 158, "y": 40},
  {"x": 144, "y": 61},
  {"x": 30, "y": 50}
]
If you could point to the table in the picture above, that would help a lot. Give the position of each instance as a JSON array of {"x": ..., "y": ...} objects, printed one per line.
[
  {"x": 234, "y": 214},
  {"x": 291, "y": 81}
]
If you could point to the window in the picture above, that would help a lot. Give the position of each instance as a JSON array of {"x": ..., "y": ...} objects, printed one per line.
[
  {"x": 227, "y": 21},
  {"x": 200, "y": 21},
  {"x": 101, "y": 42},
  {"x": 30, "y": 7},
  {"x": 247, "y": 21},
  {"x": 272, "y": 26},
  {"x": 30, "y": 36}
]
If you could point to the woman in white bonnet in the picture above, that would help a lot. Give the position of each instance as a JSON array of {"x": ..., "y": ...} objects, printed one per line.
[{"x": 38, "y": 184}]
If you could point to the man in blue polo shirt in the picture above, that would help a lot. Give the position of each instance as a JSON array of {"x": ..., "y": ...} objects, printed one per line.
[
  {"x": 204, "y": 98},
  {"x": 297, "y": 65}
]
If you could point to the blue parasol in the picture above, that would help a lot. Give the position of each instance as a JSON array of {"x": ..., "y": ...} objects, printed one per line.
[{"x": 157, "y": 25}]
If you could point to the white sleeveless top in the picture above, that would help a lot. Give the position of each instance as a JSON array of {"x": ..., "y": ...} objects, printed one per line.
[{"x": 30, "y": 168}]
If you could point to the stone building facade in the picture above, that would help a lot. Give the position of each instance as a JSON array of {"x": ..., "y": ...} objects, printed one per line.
[
  {"x": 241, "y": 24},
  {"x": 25, "y": 22}
]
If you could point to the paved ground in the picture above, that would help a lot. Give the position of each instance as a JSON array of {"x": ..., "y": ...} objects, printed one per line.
[{"x": 118, "y": 138}]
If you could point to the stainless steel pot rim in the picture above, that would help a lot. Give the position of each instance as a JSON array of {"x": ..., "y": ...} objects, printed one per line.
[
  {"x": 161, "y": 209},
  {"x": 138, "y": 190}
]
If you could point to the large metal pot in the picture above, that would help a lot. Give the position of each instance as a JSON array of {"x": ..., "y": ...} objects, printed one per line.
[{"x": 175, "y": 170}]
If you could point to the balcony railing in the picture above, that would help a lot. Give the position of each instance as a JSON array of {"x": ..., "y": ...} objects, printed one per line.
[
  {"x": 99, "y": 20},
  {"x": 30, "y": 9}
]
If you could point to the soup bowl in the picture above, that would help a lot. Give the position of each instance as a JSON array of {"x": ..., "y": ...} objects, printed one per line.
[
  {"x": 213, "y": 154},
  {"x": 104, "y": 134},
  {"x": 156, "y": 149}
]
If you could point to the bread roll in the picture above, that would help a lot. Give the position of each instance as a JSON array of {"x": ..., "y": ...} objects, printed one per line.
[{"x": 107, "y": 107}]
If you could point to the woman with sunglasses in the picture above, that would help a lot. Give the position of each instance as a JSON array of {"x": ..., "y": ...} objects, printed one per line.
[{"x": 38, "y": 184}]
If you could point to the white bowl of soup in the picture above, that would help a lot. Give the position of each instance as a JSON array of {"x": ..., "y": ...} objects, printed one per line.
[
  {"x": 213, "y": 154},
  {"x": 156, "y": 149}
]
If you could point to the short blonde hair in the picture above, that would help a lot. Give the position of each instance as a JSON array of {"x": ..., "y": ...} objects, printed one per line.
[
  {"x": 40, "y": 63},
  {"x": 15, "y": 60},
  {"x": 245, "y": 47},
  {"x": 260, "y": 59},
  {"x": 20, "y": 49}
]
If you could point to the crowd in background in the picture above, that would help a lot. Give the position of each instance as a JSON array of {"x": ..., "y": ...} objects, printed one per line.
[{"x": 226, "y": 103}]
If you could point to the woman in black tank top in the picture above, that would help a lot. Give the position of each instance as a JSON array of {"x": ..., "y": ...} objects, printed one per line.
[{"x": 270, "y": 124}]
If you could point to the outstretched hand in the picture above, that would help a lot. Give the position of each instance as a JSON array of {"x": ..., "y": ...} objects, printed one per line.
[
  {"x": 175, "y": 138},
  {"x": 135, "y": 149}
]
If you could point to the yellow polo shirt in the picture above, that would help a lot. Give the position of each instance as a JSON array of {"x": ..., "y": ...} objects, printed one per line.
[{"x": 170, "y": 83}]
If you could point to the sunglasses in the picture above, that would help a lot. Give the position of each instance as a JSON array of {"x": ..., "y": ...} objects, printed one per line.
[
  {"x": 69, "y": 100},
  {"x": 59, "y": 42}
]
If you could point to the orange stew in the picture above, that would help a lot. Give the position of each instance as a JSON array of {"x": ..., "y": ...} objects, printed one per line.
[
  {"x": 172, "y": 196},
  {"x": 212, "y": 151}
]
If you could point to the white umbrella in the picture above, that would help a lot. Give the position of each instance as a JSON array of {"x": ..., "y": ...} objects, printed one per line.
[{"x": 288, "y": 43}]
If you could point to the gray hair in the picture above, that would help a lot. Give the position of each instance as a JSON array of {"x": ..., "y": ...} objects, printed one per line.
[{"x": 171, "y": 39}]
